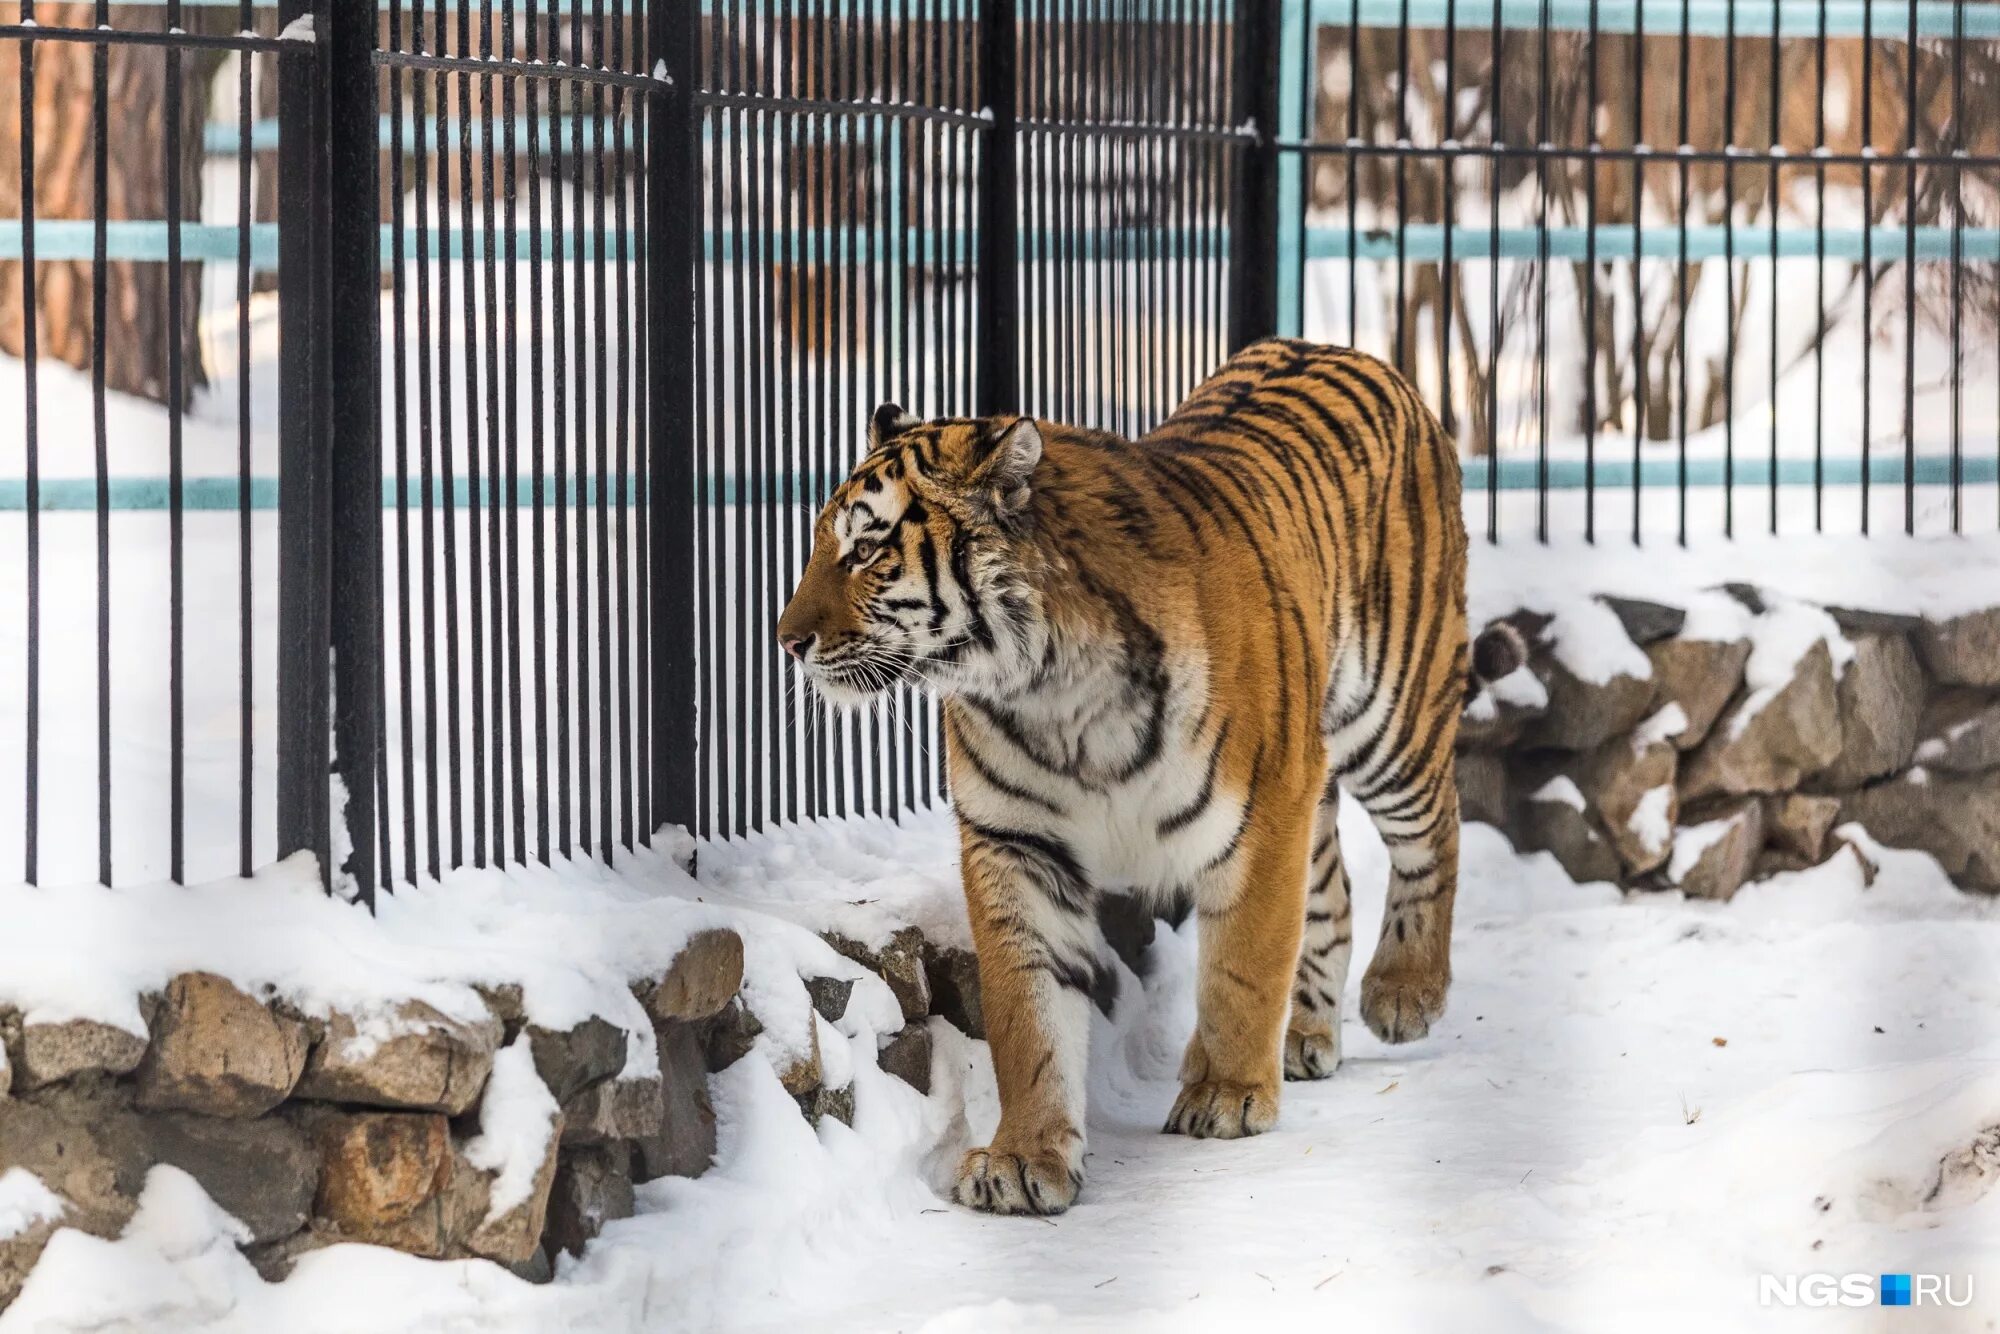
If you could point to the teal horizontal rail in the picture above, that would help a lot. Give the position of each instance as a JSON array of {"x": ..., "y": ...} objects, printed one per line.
[
  {"x": 141, "y": 494},
  {"x": 1419, "y": 242},
  {"x": 1888, "y": 20}
]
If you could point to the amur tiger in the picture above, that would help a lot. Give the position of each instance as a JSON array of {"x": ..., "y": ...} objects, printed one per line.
[{"x": 1161, "y": 662}]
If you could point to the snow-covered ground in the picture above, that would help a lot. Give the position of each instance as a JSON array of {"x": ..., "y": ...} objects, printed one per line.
[{"x": 1632, "y": 1110}]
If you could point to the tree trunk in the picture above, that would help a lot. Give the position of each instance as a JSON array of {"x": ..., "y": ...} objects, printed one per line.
[{"x": 135, "y": 330}]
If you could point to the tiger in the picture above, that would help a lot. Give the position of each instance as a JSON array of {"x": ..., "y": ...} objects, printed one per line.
[{"x": 1161, "y": 662}]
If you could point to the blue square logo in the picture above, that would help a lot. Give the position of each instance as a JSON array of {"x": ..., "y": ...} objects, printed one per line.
[{"x": 1895, "y": 1289}]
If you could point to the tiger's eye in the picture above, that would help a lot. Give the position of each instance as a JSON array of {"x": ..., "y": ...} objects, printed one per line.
[{"x": 863, "y": 551}]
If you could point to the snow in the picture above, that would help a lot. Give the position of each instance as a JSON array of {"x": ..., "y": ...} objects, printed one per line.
[
  {"x": 1570, "y": 1148},
  {"x": 1664, "y": 725},
  {"x": 517, "y": 1116},
  {"x": 1651, "y": 819},
  {"x": 24, "y": 1202},
  {"x": 1691, "y": 841},
  {"x": 1559, "y": 789}
]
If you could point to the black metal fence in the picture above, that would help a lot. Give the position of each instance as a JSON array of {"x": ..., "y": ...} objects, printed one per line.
[{"x": 556, "y": 318}]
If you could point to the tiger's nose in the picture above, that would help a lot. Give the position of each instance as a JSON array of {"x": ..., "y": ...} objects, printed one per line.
[{"x": 796, "y": 645}]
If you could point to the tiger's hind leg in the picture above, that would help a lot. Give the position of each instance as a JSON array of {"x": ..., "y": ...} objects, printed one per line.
[
  {"x": 1312, "y": 1037},
  {"x": 1403, "y": 991}
]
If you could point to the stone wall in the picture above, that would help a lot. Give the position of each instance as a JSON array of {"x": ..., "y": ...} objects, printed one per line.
[
  {"x": 1739, "y": 736},
  {"x": 312, "y": 1130}
]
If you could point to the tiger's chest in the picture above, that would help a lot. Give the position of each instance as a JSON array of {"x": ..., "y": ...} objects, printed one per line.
[{"x": 1126, "y": 780}]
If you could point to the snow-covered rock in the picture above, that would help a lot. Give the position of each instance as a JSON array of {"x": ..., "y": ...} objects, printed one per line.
[
  {"x": 703, "y": 978},
  {"x": 219, "y": 1051},
  {"x": 1961, "y": 731},
  {"x": 1880, "y": 703},
  {"x": 50, "y": 1052},
  {"x": 1699, "y": 675},
  {"x": 1963, "y": 650},
  {"x": 1713, "y": 859},
  {"x": 413, "y": 1057},
  {"x": 1787, "y": 727}
]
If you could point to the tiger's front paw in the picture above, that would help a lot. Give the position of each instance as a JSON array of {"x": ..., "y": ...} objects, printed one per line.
[
  {"x": 1215, "y": 1109},
  {"x": 995, "y": 1181},
  {"x": 1310, "y": 1054}
]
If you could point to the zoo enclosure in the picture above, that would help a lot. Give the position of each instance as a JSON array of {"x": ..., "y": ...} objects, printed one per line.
[{"x": 554, "y": 413}]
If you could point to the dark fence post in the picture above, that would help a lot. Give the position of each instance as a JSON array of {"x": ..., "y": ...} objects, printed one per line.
[
  {"x": 673, "y": 194},
  {"x": 1253, "y": 189},
  {"x": 354, "y": 477},
  {"x": 304, "y": 391},
  {"x": 998, "y": 389}
]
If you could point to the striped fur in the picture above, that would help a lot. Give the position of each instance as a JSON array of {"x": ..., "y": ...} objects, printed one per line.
[{"x": 1162, "y": 662}]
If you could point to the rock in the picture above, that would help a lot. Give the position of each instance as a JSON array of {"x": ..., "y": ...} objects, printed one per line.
[
  {"x": 22, "y": 1237},
  {"x": 954, "y": 983},
  {"x": 804, "y": 1073},
  {"x": 1584, "y": 714},
  {"x": 1963, "y": 650},
  {"x": 1645, "y": 622},
  {"x": 514, "y": 1235},
  {"x": 50, "y": 1053},
  {"x": 573, "y": 1060},
  {"x": 823, "y": 1102},
  {"x": 830, "y": 995},
  {"x": 219, "y": 1051},
  {"x": 90, "y": 1154},
  {"x": 907, "y": 1056},
  {"x": 393, "y": 1179},
  {"x": 1954, "y": 818},
  {"x": 728, "y": 1037},
  {"x": 1769, "y": 740},
  {"x": 1713, "y": 859},
  {"x": 1849, "y": 840},
  {"x": 273, "y": 1261},
  {"x": 1483, "y": 791},
  {"x": 593, "y": 1186},
  {"x": 6, "y": 1065},
  {"x": 617, "y": 1109},
  {"x": 1699, "y": 675},
  {"x": 1629, "y": 783},
  {"x": 704, "y": 977},
  {"x": 1555, "y": 820},
  {"x": 263, "y": 1173},
  {"x": 1961, "y": 731},
  {"x": 1797, "y": 825},
  {"x": 684, "y": 1144},
  {"x": 1881, "y": 701},
  {"x": 506, "y": 1001},
  {"x": 1858, "y": 621},
  {"x": 900, "y": 963},
  {"x": 1749, "y": 595},
  {"x": 426, "y": 1061},
  {"x": 1128, "y": 928}
]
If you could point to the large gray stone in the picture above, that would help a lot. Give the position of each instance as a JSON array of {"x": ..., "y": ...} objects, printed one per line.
[
  {"x": 1954, "y": 818},
  {"x": 830, "y": 996},
  {"x": 618, "y": 1109},
  {"x": 1552, "y": 822},
  {"x": 684, "y": 1145},
  {"x": 572, "y": 1060},
  {"x": 219, "y": 1051},
  {"x": 907, "y": 1055},
  {"x": 1797, "y": 825},
  {"x": 1713, "y": 858},
  {"x": 900, "y": 963},
  {"x": 593, "y": 1186},
  {"x": 1645, "y": 622},
  {"x": 263, "y": 1173},
  {"x": 1628, "y": 782},
  {"x": 90, "y": 1153},
  {"x": 49, "y": 1053},
  {"x": 1961, "y": 732},
  {"x": 1881, "y": 701},
  {"x": 1484, "y": 792},
  {"x": 426, "y": 1062},
  {"x": 1699, "y": 675},
  {"x": 703, "y": 978},
  {"x": 1768, "y": 742},
  {"x": 954, "y": 979},
  {"x": 728, "y": 1037},
  {"x": 1584, "y": 714},
  {"x": 1963, "y": 650}
]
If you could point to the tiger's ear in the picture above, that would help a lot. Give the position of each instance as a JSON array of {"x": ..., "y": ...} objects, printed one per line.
[
  {"x": 888, "y": 422},
  {"x": 1010, "y": 451}
]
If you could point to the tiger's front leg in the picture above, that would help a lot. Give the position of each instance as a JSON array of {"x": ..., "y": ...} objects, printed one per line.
[
  {"x": 1034, "y": 926},
  {"x": 1252, "y": 913}
]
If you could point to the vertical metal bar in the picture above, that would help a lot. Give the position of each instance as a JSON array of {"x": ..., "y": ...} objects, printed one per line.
[
  {"x": 1729, "y": 273},
  {"x": 427, "y": 452},
  {"x": 1910, "y": 121},
  {"x": 559, "y": 416},
  {"x": 1401, "y": 176},
  {"x": 538, "y": 472},
  {"x": 246, "y": 690},
  {"x": 100, "y": 279},
  {"x": 1957, "y": 270},
  {"x": 1495, "y": 71},
  {"x": 999, "y": 370},
  {"x": 1253, "y": 203},
  {"x": 1590, "y": 137},
  {"x": 32, "y": 443},
  {"x": 469, "y": 354},
  {"x": 505, "y": 658},
  {"x": 446, "y": 460},
  {"x": 1819, "y": 256},
  {"x": 304, "y": 391},
  {"x": 1448, "y": 215},
  {"x": 176, "y": 525},
  {"x": 672, "y": 238},
  {"x": 1681, "y": 289},
  {"x": 1774, "y": 201},
  {"x": 1641, "y": 385},
  {"x": 406, "y": 735},
  {"x": 601, "y": 338},
  {"x": 629, "y": 783},
  {"x": 355, "y": 463},
  {"x": 1542, "y": 112},
  {"x": 517, "y": 654},
  {"x": 1867, "y": 257}
]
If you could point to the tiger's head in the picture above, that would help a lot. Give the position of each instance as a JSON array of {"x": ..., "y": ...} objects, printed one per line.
[{"x": 917, "y": 568}]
